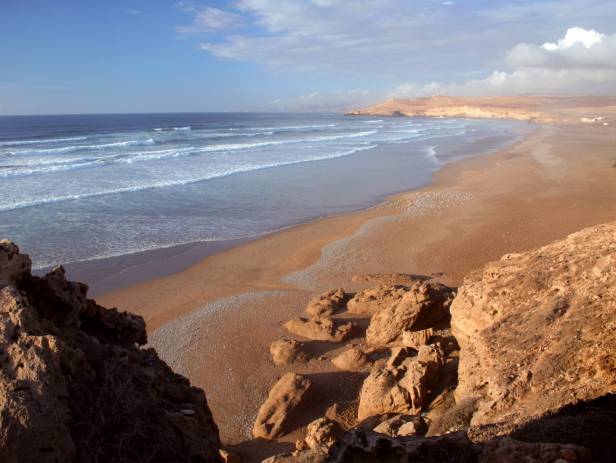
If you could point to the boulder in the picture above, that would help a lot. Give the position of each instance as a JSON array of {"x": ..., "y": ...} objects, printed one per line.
[
  {"x": 368, "y": 301},
  {"x": 287, "y": 395},
  {"x": 320, "y": 435},
  {"x": 400, "y": 387},
  {"x": 327, "y": 303},
  {"x": 352, "y": 359},
  {"x": 75, "y": 386},
  {"x": 286, "y": 351},
  {"x": 320, "y": 329},
  {"x": 402, "y": 425},
  {"x": 423, "y": 305},
  {"x": 537, "y": 329},
  {"x": 507, "y": 450}
]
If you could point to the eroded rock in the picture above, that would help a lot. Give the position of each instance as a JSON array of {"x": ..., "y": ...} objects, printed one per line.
[
  {"x": 537, "y": 329},
  {"x": 352, "y": 359},
  {"x": 321, "y": 434},
  {"x": 402, "y": 425},
  {"x": 327, "y": 303},
  {"x": 368, "y": 301},
  {"x": 424, "y": 304},
  {"x": 287, "y": 351},
  {"x": 74, "y": 385},
  {"x": 320, "y": 329},
  {"x": 287, "y": 395},
  {"x": 402, "y": 386}
]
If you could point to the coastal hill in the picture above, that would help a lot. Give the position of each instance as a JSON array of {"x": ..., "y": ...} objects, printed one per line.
[
  {"x": 518, "y": 364},
  {"x": 570, "y": 109}
]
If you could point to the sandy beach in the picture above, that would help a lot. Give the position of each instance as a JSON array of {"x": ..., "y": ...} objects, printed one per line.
[{"x": 215, "y": 320}]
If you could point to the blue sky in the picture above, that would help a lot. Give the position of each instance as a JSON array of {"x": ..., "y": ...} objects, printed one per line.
[{"x": 155, "y": 56}]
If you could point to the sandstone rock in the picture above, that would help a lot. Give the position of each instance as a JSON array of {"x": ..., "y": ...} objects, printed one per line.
[
  {"x": 423, "y": 305},
  {"x": 507, "y": 450},
  {"x": 75, "y": 387},
  {"x": 320, "y": 435},
  {"x": 366, "y": 446},
  {"x": 415, "y": 339},
  {"x": 13, "y": 265},
  {"x": 321, "y": 329},
  {"x": 327, "y": 303},
  {"x": 400, "y": 388},
  {"x": 369, "y": 301},
  {"x": 403, "y": 425},
  {"x": 305, "y": 456},
  {"x": 537, "y": 330},
  {"x": 352, "y": 359},
  {"x": 286, "y": 351},
  {"x": 287, "y": 395}
]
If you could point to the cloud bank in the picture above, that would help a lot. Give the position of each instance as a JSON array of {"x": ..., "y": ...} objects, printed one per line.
[{"x": 583, "y": 61}]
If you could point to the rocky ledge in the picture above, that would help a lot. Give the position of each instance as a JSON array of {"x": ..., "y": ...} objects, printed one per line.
[
  {"x": 518, "y": 364},
  {"x": 75, "y": 385}
]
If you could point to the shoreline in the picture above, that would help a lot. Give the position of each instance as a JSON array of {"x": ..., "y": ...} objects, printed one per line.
[
  {"x": 228, "y": 308},
  {"x": 110, "y": 274}
]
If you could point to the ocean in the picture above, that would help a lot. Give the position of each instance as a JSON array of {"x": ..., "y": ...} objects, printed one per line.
[{"x": 84, "y": 187}]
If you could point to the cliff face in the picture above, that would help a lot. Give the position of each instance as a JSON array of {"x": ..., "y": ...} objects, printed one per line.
[
  {"x": 76, "y": 386},
  {"x": 526, "y": 108},
  {"x": 538, "y": 330}
]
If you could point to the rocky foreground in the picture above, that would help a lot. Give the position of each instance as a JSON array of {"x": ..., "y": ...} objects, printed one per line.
[
  {"x": 76, "y": 387},
  {"x": 518, "y": 364}
]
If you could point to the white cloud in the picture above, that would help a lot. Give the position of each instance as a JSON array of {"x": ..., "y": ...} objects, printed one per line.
[
  {"x": 209, "y": 19},
  {"x": 583, "y": 62}
]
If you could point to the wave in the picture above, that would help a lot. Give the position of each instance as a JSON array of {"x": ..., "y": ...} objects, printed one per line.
[
  {"x": 73, "y": 148},
  {"x": 431, "y": 152},
  {"x": 43, "y": 140},
  {"x": 170, "y": 129},
  {"x": 289, "y": 127},
  {"x": 376, "y": 121},
  {"x": 171, "y": 183}
]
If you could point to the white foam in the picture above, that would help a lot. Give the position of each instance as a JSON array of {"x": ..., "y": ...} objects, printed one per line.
[
  {"x": 171, "y": 183},
  {"x": 46, "y": 140}
]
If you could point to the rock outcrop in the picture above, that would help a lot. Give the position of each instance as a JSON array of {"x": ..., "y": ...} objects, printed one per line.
[
  {"x": 423, "y": 304},
  {"x": 538, "y": 330},
  {"x": 352, "y": 359},
  {"x": 327, "y": 303},
  {"x": 402, "y": 425},
  {"x": 320, "y": 329},
  {"x": 76, "y": 386},
  {"x": 402, "y": 386},
  {"x": 368, "y": 301},
  {"x": 287, "y": 351},
  {"x": 287, "y": 395},
  {"x": 321, "y": 434}
]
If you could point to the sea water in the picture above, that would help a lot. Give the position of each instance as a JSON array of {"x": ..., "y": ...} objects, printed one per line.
[{"x": 82, "y": 187}]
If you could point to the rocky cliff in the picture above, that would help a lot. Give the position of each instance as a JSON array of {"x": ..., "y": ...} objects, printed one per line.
[
  {"x": 527, "y": 108},
  {"x": 519, "y": 366},
  {"x": 76, "y": 386},
  {"x": 538, "y": 330}
]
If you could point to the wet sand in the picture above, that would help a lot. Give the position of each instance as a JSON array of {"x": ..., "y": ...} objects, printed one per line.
[{"x": 215, "y": 320}]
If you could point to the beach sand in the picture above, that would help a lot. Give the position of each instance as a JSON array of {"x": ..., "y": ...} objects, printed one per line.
[{"x": 215, "y": 320}]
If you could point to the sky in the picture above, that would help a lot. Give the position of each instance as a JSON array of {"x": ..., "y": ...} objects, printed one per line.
[{"x": 87, "y": 56}]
